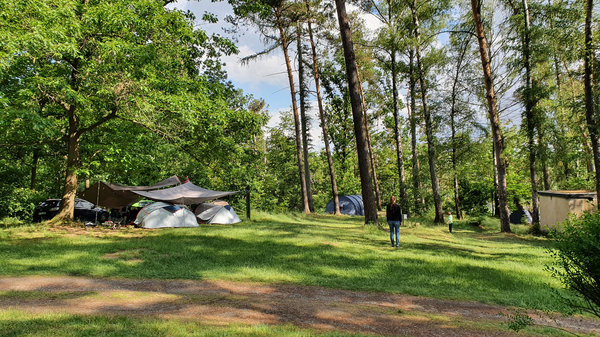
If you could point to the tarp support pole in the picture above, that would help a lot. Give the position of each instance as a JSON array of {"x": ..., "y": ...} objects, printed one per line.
[{"x": 248, "y": 202}]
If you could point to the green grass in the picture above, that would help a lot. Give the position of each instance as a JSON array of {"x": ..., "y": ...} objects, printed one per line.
[
  {"x": 337, "y": 252},
  {"x": 17, "y": 323}
]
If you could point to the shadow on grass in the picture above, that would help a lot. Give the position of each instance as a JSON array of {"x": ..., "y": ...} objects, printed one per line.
[
  {"x": 40, "y": 295},
  {"x": 100, "y": 324},
  {"x": 289, "y": 252}
]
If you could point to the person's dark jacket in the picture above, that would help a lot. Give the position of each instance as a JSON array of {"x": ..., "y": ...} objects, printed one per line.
[{"x": 393, "y": 212}]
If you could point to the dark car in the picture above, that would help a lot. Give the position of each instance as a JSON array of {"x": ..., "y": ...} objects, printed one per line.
[{"x": 84, "y": 211}]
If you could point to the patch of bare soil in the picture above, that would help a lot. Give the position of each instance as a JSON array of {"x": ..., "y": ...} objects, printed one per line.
[{"x": 224, "y": 302}]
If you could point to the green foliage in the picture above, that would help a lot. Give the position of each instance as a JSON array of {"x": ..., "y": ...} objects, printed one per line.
[
  {"x": 519, "y": 320},
  {"x": 11, "y": 222},
  {"x": 577, "y": 259},
  {"x": 145, "y": 89},
  {"x": 19, "y": 202},
  {"x": 475, "y": 196},
  {"x": 281, "y": 184}
]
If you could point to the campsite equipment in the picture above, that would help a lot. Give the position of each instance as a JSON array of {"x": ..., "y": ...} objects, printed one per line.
[
  {"x": 517, "y": 217},
  {"x": 161, "y": 215},
  {"x": 84, "y": 210},
  {"x": 218, "y": 212},
  {"x": 349, "y": 204},
  {"x": 117, "y": 196},
  {"x": 185, "y": 194}
]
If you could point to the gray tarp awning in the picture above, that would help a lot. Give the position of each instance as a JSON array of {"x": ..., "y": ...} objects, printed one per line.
[
  {"x": 187, "y": 194},
  {"x": 116, "y": 196}
]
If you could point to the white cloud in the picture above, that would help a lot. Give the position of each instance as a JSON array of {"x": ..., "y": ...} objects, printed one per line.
[
  {"x": 371, "y": 22},
  {"x": 269, "y": 69}
]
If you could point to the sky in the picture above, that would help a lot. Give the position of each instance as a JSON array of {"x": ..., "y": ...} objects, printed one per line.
[{"x": 264, "y": 77}]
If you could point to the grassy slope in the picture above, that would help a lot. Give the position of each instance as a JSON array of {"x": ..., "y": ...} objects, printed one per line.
[{"x": 470, "y": 264}]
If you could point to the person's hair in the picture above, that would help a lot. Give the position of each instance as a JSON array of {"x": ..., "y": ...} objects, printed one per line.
[{"x": 393, "y": 199}]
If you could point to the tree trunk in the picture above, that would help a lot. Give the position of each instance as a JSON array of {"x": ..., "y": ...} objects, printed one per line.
[
  {"x": 398, "y": 138},
  {"x": 67, "y": 203},
  {"x": 544, "y": 159},
  {"x": 585, "y": 138},
  {"x": 453, "y": 140},
  {"x": 359, "y": 130},
  {"x": 284, "y": 46},
  {"x": 371, "y": 153},
  {"x": 559, "y": 99},
  {"x": 460, "y": 60},
  {"x": 304, "y": 120},
  {"x": 334, "y": 191},
  {"x": 494, "y": 118},
  {"x": 412, "y": 107},
  {"x": 431, "y": 156},
  {"x": 530, "y": 117},
  {"x": 590, "y": 115}
]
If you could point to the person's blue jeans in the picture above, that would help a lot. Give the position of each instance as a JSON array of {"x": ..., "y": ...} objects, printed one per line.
[{"x": 394, "y": 229}]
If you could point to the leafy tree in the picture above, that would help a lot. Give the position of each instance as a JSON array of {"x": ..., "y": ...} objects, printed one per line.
[
  {"x": 416, "y": 11},
  {"x": 92, "y": 62},
  {"x": 278, "y": 16},
  {"x": 500, "y": 161},
  {"x": 359, "y": 130},
  {"x": 577, "y": 264},
  {"x": 334, "y": 188},
  {"x": 388, "y": 41},
  {"x": 591, "y": 114}
]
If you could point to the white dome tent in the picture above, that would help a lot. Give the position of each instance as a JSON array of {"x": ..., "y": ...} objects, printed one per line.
[
  {"x": 163, "y": 215},
  {"x": 217, "y": 213}
]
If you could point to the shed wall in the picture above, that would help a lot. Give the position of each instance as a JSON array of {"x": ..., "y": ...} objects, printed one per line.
[{"x": 556, "y": 209}]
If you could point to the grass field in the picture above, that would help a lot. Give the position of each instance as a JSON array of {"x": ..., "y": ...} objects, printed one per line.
[
  {"x": 15, "y": 323},
  {"x": 473, "y": 263}
]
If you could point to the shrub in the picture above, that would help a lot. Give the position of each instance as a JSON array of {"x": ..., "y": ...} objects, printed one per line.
[
  {"x": 577, "y": 259},
  {"x": 19, "y": 203},
  {"x": 11, "y": 222},
  {"x": 475, "y": 196}
]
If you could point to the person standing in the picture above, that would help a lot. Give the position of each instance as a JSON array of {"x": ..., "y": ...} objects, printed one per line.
[
  {"x": 450, "y": 221},
  {"x": 393, "y": 214}
]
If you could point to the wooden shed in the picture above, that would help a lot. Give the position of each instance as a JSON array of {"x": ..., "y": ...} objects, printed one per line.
[{"x": 555, "y": 206}]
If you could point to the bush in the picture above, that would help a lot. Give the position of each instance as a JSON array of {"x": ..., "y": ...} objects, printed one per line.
[
  {"x": 577, "y": 259},
  {"x": 475, "y": 196},
  {"x": 19, "y": 203},
  {"x": 11, "y": 222}
]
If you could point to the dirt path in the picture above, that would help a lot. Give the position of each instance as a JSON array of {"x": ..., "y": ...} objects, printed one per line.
[{"x": 223, "y": 302}]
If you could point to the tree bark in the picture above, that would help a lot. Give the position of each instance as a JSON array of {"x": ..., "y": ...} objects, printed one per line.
[
  {"x": 284, "y": 46},
  {"x": 357, "y": 114},
  {"x": 412, "y": 107},
  {"x": 371, "y": 153},
  {"x": 497, "y": 137},
  {"x": 398, "y": 137},
  {"x": 67, "y": 203},
  {"x": 460, "y": 60},
  {"x": 588, "y": 80},
  {"x": 431, "y": 156},
  {"x": 530, "y": 117},
  {"x": 303, "y": 119},
  {"x": 543, "y": 157},
  {"x": 334, "y": 190}
]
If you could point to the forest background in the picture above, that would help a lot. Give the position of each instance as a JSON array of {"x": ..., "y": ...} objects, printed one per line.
[{"x": 139, "y": 91}]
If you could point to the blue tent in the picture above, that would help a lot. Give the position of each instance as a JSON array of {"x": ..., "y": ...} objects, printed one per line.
[
  {"x": 349, "y": 204},
  {"x": 517, "y": 217}
]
